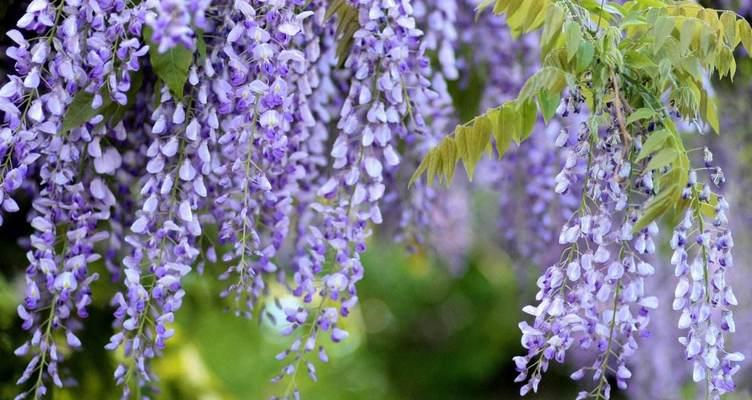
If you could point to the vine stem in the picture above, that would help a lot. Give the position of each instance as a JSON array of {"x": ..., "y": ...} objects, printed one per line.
[
  {"x": 612, "y": 328},
  {"x": 622, "y": 122}
]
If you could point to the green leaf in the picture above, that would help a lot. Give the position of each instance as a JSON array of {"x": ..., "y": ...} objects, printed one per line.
[
  {"x": 727, "y": 65},
  {"x": 528, "y": 112},
  {"x": 201, "y": 44},
  {"x": 632, "y": 20},
  {"x": 501, "y": 5},
  {"x": 171, "y": 66},
  {"x": 574, "y": 37},
  {"x": 745, "y": 33},
  {"x": 471, "y": 140},
  {"x": 546, "y": 78},
  {"x": 728, "y": 20},
  {"x": 657, "y": 207},
  {"x": 476, "y": 140},
  {"x": 448, "y": 152},
  {"x": 584, "y": 56},
  {"x": 706, "y": 41},
  {"x": 662, "y": 159},
  {"x": 502, "y": 130},
  {"x": 638, "y": 60},
  {"x": 461, "y": 135},
  {"x": 534, "y": 9},
  {"x": 654, "y": 143},
  {"x": 334, "y": 8},
  {"x": 552, "y": 27},
  {"x": 549, "y": 102},
  {"x": 422, "y": 168},
  {"x": 686, "y": 35},
  {"x": 80, "y": 110},
  {"x": 640, "y": 114},
  {"x": 347, "y": 25},
  {"x": 709, "y": 111},
  {"x": 509, "y": 123},
  {"x": 661, "y": 31},
  {"x": 115, "y": 112}
]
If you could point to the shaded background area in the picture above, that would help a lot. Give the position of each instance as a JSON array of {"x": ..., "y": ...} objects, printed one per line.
[{"x": 421, "y": 331}]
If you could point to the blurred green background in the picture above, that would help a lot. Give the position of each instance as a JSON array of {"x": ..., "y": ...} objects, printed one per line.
[{"x": 420, "y": 333}]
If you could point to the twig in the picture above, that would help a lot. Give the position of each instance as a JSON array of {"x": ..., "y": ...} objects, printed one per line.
[{"x": 621, "y": 121}]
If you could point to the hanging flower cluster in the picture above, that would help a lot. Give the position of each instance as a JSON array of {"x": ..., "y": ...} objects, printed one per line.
[
  {"x": 135, "y": 127},
  {"x": 271, "y": 136},
  {"x": 594, "y": 297},
  {"x": 618, "y": 175}
]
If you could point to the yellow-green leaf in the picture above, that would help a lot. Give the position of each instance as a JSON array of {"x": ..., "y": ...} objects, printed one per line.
[
  {"x": 654, "y": 143},
  {"x": 509, "y": 122},
  {"x": 461, "y": 136},
  {"x": 657, "y": 207},
  {"x": 745, "y": 33},
  {"x": 574, "y": 37},
  {"x": 640, "y": 114},
  {"x": 546, "y": 78},
  {"x": 686, "y": 35},
  {"x": 481, "y": 135},
  {"x": 549, "y": 102},
  {"x": 662, "y": 30},
  {"x": 502, "y": 132},
  {"x": 434, "y": 165},
  {"x": 584, "y": 56},
  {"x": 728, "y": 20},
  {"x": 709, "y": 111},
  {"x": 528, "y": 113},
  {"x": 448, "y": 152},
  {"x": 662, "y": 159},
  {"x": 552, "y": 26}
]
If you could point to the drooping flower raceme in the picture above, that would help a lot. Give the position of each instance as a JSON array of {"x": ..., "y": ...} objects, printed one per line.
[
  {"x": 164, "y": 136},
  {"x": 593, "y": 298},
  {"x": 387, "y": 81}
]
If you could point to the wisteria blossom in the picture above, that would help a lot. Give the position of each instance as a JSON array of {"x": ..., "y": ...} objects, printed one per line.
[{"x": 272, "y": 138}]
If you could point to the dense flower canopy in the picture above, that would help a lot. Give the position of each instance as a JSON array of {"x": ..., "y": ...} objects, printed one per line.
[{"x": 273, "y": 136}]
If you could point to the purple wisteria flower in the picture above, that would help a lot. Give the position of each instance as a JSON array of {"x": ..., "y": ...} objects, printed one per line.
[
  {"x": 270, "y": 139},
  {"x": 594, "y": 297}
]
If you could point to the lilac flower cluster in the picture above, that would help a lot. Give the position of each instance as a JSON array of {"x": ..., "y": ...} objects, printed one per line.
[
  {"x": 594, "y": 296},
  {"x": 262, "y": 151},
  {"x": 242, "y": 147},
  {"x": 65, "y": 171},
  {"x": 703, "y": 296},
  {"x": 382, "y": 108},
  {"x": 421, "y": 215}
]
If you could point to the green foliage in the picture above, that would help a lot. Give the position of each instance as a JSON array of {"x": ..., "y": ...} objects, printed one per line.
[
  {"x": 631, "y": 55},
  {"x": 80, "y": 111},
  {"x": 512, "y": 121},
  {"x": 413, "y": 316},
  {"x": 114, "y": 112},
  {"x": 172, "y": 66},
  {"x": 347, "y": 25}
]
